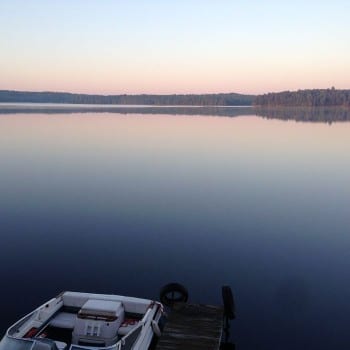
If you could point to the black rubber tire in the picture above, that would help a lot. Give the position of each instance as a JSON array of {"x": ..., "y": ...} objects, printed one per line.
[
  {"x": 229, "y": 303},
  {"x": 167, "y": 292}
]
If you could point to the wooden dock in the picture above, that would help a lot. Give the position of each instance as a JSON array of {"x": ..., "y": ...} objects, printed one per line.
[{"x": 192, "y": 327}]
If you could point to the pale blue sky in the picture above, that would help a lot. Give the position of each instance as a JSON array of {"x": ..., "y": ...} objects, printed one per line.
[{"x": 173, "y": 46}]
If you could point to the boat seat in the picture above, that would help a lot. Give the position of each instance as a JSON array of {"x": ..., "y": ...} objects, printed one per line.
[
  {"x": 64, "y": 320},
  {"x": 98, "y": 322},
  {"x": 127, "y": 326},
  {"x": 77, "y": 300}
]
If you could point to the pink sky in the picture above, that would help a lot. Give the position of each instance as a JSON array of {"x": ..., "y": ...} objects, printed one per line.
[{"x": 159, "y": 47}]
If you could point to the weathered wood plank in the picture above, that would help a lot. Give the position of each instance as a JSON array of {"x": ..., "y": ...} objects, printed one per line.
[{"x": 192, "y": 327}]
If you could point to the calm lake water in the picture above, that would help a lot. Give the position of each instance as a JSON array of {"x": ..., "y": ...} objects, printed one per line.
[{"x": 124, "y": 203}]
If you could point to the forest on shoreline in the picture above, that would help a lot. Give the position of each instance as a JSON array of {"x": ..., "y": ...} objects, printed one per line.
[
  {"x": 305, "y": 98},
  {"x": 227, "y": 99},
  {"x": 301, "y": 98}
]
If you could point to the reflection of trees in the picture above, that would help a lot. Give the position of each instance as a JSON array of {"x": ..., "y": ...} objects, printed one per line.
[
  {"x": 64, "y": 109},
  {"x": 305, "y": 114}
]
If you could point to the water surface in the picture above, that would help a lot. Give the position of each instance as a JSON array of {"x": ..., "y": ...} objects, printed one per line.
[{"x": 115, "y": 203}]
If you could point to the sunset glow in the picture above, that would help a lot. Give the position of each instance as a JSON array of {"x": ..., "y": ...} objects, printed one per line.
[{"x": 115, "y": 47}]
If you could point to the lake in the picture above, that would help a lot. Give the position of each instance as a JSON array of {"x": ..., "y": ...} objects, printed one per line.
[{"x": 123, "y": 201}]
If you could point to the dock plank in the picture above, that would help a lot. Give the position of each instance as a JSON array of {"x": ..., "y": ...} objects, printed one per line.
[{"x": 192, "y": 327}]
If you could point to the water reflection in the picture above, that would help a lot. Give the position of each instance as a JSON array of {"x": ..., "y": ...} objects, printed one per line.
[
  {"x": 150, "y": 110},
  {"x": 101, "y": 202},
  {"x": 319, "y": 114},
  {"x": 302, "y": 114}
]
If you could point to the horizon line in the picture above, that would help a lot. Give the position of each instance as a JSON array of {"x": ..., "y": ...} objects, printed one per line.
[{"x": 168, "y": 94}]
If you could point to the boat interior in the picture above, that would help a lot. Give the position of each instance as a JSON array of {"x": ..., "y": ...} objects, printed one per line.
[{"x": 84, "y": 319}]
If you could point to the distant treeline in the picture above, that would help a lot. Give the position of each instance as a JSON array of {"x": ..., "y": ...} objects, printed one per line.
[
  {"x": 300, "y": 98},
  {"x": 230, "y": 99},
  {"x": 305, "y": 98}
]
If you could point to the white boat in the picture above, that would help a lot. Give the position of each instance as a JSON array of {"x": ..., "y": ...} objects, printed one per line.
[{"x": 76, "y": 321}]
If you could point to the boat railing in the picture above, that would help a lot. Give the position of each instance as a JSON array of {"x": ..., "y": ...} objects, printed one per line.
[
  {"x": 128, "y": 341},
  {"x": 146, "y": 316},
  {"x": 14, "y": 329}
]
